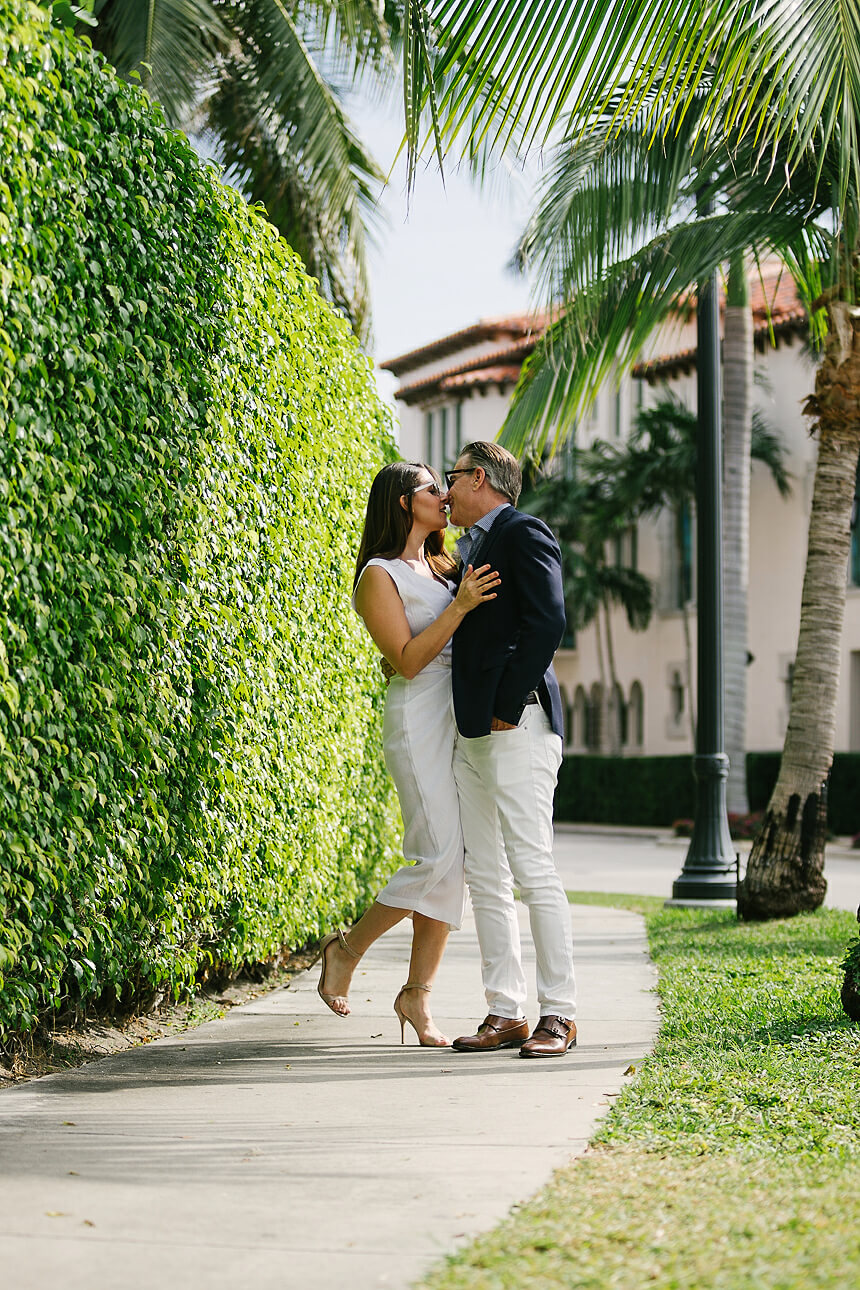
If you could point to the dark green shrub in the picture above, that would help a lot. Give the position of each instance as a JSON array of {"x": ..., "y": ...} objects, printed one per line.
[
  {"x": 661, "y": 791},
  {"x": 843, "y": 794},
  {"x": 850, "y": 966},
  {"x": 762, "y": 774},
  {"x": 843, "y": 790},
  {"x": 190, "y": 764}
]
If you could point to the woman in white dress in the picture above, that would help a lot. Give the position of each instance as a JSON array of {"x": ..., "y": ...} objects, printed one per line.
[{"x": 404, "y": 593}]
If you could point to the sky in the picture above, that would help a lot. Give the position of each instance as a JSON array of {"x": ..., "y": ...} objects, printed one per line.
[{"x": 440, "y": 264}]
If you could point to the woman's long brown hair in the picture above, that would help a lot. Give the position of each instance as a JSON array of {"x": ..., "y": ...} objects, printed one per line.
[{"x": 387, "y": 523}]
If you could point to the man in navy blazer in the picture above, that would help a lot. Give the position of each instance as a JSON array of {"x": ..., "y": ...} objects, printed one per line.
[{"x": 509, "y": 719}]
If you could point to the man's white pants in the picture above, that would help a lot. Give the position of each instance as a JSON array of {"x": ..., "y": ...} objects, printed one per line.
[{"x": 505, "y": 781}]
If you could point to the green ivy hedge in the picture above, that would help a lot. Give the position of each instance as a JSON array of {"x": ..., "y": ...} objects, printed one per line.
[
  {"x": 190, "y": 753},
  {"x": 657, "y": 791}
]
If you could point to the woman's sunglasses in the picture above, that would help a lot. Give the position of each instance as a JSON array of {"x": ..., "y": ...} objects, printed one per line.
[{"x": 432, "y": 487}]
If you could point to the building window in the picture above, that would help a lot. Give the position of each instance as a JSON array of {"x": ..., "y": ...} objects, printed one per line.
[
  {"x": 855, "y": 531},
  {"x": 788, "y": 681},
  {"x": 684, "y": 520},
  {"x": 622, "y": 727},
  {"x": 579, "y": 725},
  {"x": 618, "y": 413},
  {"x": 428, "y": 438},
  {"x": 567, "y": 716},
  {"x": 594, "y": 724},
  {"x": 458, "y": 430},
  {"x": 626, "y": 547},
  {"x": 676, "y": 696},
  {"x": 444, "y": 462},
  {"x": 637, "y": 715},
  {"x": 785, "y": 674},
  {"x": 677, "y": 702}
]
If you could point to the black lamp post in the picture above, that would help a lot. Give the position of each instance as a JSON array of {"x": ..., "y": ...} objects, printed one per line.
[{"x": 709, "y": 867}]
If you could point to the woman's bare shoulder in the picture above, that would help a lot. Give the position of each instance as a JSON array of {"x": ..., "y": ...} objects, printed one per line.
[{"x": 374, "y": 580}]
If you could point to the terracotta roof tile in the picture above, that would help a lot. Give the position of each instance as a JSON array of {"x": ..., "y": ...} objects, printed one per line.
[
  {"x": 773, "y": 292},
  {"x": 775, "y": 307},
  {"x": 509, "y": 327},
  {"x": 506, "y": 375},
  {"x": 782, "y": 324},
  {"x": 505, "y": 356}
]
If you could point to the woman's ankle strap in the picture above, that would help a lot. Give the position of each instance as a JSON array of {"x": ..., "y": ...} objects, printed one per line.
[{"x": 345, "y": 946}]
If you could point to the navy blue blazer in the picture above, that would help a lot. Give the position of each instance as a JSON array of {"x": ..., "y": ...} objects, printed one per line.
[{"x": 503, "y": 650}]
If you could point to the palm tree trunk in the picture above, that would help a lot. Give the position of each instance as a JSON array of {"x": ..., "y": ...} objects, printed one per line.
[
  {"x": 785, "y": 874},
  {"x": 738, "y": 355},
  {"x": 613, "y": 741},
  {"x": 600, "y": 717}
]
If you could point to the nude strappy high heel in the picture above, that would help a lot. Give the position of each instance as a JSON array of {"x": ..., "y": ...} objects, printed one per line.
[
  {"x": 426, "y": 1041},
  {"x": 331, "y": 1000}
]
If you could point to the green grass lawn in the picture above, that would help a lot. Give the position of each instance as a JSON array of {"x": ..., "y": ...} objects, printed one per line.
[{"x": 732, "y": 1160}]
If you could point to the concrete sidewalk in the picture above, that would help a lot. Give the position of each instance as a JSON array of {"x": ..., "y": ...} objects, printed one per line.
[{"x": 286, "y": 1147}]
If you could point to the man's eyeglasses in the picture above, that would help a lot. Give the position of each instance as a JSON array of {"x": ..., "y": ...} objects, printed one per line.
[
  {"x": 451, "y": 475},
  {"x": 433, "y": 488}
]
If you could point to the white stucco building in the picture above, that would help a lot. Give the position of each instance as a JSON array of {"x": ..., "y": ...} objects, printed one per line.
[{"x": 457, "y": 388}]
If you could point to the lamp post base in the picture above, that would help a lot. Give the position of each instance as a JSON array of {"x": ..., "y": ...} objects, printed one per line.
[
  {"x": 699, "y": 904},
  {"x": 710, "y": 873}
]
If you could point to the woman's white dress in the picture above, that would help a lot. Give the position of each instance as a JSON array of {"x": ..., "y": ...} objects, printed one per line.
[{"x": 419, "y": 732}]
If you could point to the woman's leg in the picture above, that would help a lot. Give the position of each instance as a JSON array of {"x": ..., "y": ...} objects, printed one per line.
[
  {"x": 339, "y": 965},
  {"x": 429, "y": 938}
]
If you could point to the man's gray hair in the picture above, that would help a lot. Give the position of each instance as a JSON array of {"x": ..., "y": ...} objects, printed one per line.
[{"x": 500, "y": 466}]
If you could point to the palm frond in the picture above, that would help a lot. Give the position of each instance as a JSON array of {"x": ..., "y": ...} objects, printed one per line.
[
  {"x": 603, "y": 199},
  {"x": 168, "y": 43},
  {"x": 265, "y": 80},
  {"x": 783, "y": 75},
  {"x": 792, "y": 74},
  {"x": 768, "y": 448},
  {"x": 318, "y": 183},
  {"x": 419, "y": 84},
  {"x": 586, "y": 511},
  {"x": 357, "y": 32},
  {"x": 631, "y": 590},
  {"x": 604, "y": 329},
  {"x": 545, "y": 58},
  {"x": 657, "y": 466}
]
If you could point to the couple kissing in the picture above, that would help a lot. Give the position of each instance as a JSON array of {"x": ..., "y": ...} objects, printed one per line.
[{"x": 472, "y": 740}]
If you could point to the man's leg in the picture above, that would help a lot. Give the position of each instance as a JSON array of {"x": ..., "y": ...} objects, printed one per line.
[
  {"x": 490, "y": 883},
  {"x": 521, "y": 774}
]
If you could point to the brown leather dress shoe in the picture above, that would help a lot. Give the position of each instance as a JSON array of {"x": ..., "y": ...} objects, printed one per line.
[
  {"x": 494, "y": 1032},
  {"x": 552, "y": 1036}
]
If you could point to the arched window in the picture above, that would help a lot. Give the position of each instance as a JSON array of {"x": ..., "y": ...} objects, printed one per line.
[
  {"x": 594, "y": 728},
  {"x": 636, "y": 716},
  {"x": 579, "y": 733},
  {"x": 620, "y": 715},
  {"x": 567, "y": 714}
]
